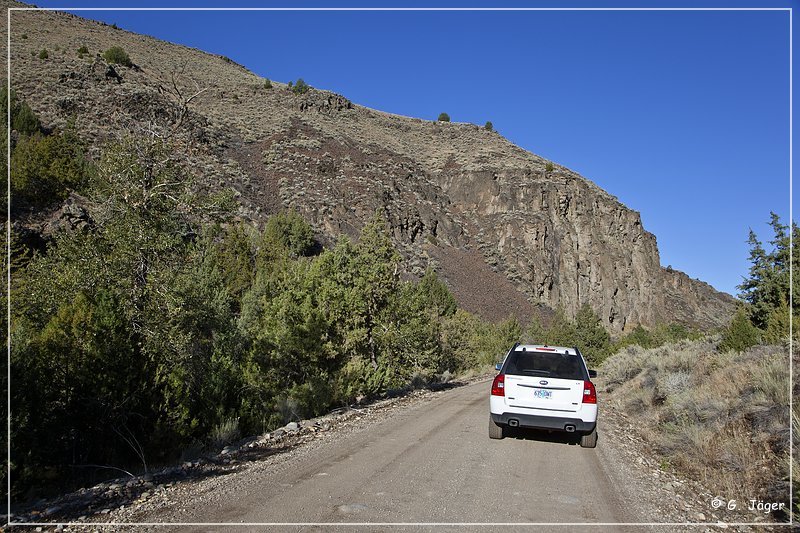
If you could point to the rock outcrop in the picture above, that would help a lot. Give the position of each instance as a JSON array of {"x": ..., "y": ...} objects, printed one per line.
[{"x": 510, "y": 233}]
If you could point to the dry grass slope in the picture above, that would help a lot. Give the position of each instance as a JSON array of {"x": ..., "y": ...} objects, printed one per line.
[{"x": 721, "y": 418}]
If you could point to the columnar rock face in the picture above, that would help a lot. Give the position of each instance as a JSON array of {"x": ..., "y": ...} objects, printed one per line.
[
  {"x": 510, "y": 233},
  {"x": 565, "y": 242}
]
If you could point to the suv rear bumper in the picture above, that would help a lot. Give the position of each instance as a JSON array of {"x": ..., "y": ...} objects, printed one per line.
[{"x": 544, "y": 422}]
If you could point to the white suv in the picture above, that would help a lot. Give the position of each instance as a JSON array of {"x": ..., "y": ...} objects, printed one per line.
[{"x": 544, "y": 387}]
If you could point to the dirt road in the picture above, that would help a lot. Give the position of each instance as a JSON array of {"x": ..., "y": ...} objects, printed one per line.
[{"x": 432, "y": 463}]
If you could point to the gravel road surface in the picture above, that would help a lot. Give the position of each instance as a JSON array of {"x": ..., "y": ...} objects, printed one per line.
[{"x": 429, "y": 463}]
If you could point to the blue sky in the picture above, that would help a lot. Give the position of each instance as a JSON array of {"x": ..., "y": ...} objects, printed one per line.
[{"x": 682, "y": 115}]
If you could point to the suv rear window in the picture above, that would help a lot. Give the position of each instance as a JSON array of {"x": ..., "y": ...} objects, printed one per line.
[{"x": 550, "y": 364}]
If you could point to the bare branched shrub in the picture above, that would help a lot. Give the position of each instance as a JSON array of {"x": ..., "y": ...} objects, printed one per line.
[{"x": 182, "y": 89}]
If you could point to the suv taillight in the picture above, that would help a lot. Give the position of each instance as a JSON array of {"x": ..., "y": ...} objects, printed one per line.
[
  {"x": 499, "y": 385},
  {"x": 589, "y": 393}
]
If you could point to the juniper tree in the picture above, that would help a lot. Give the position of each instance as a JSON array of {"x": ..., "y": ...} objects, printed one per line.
[
  {"x": 767, "y": 286},
  {"x": 300, "y": 87},
  {"x": 592, "y": 338},
  {"x": 740, "y": 334},
  {"x": 117, "y": 55}
]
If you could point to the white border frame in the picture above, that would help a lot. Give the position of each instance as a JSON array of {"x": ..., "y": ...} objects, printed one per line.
[{"x": 389, "y": 524}]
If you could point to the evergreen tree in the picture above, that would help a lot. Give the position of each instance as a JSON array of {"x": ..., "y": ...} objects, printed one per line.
[
  {"x": 436, "y": 295},
  {"x": 592, "y": 338},
  {"x": 562, "y": 331},
  {"x": 117, "y": 55},
  {"x": 23, "y": 120},
  {"x": 462, "y": 341},
  {"x": 290, "y": 231},
  {"x": 505, "y": 334},
  {"x": 740, "y": 334},
  {"x": 777, "y": 330},
  {"x": 232, "y": 252},
  {"x": 377, "y": 275},
  {"x": 300, "y": 87},
  {"x": 77, "y": 393},
  {"x": 45, "y": 168},
  {"x": 135, "y": 274},
  {"x": 639, "y": 336},
  {"x": 535, "y": 332},
  {"x": 767, "y": 286},
  {"x": 470, "y": 342},
  {"x": 408, "y": 337}
]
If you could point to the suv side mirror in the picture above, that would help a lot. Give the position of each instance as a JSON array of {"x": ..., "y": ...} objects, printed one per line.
[
  {"x": 498, "y": 366},
  {"x": 592, "y": 373}
]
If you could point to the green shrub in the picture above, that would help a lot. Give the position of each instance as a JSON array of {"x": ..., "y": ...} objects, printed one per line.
[
  {"x": 443, "y": 117},
  {"x": 469, "y": 342},
  {"x": 638, "y": 337},
  {"x": 436, "y": 295},
  {"x": 740, "y": 334},
  {"x": 777, "y": 330},
  {"x": 358, "y": 380},
  {"x": 43, "y": 54},
  {"x": 267, "y": 83},
  {"x": 658, "y": 336},
  {"x": 548, "y": 167},
  {"x": 562, "y": 331},
  {"x": 488, "y": 126},
  {"x": 290, "y": 231},
  {"x": 311, "y": 398},
  {"x": 593, "y": 339},
  {"x": 23, "y": 119},
  {"x": 83, "y": 50},
  {"x": 232, "y": 250},
  {"x": 44, "y": 169},
  {"x": 300, "y": 87},
  {"x": 117, "y": 55},
  {"x": 224, "y": 433}
]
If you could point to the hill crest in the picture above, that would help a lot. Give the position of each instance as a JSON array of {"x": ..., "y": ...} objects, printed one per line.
[{"x": 508, "y": 234}]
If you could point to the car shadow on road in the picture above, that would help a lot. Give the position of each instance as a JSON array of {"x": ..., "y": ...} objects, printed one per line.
[{"x": 558, "y": 437}]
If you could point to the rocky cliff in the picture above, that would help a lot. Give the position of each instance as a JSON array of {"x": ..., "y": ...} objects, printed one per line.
[{"x": 510, "y": 233}]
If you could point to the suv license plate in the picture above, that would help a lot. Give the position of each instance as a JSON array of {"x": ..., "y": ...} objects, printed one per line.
[{"x": 542, "y": 394}]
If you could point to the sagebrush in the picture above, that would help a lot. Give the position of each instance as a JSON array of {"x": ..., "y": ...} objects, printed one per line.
[{"x": 718, "y": 416}]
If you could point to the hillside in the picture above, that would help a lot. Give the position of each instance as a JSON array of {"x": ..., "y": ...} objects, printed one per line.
[
  {"x": 716, "y": 416},
  {"x": 508, "y": 235}
]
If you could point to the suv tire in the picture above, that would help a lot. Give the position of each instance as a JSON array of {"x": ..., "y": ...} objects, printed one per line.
[
  {"x": 589, "y": 440},
  {"x": 495, "y": 431}
]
